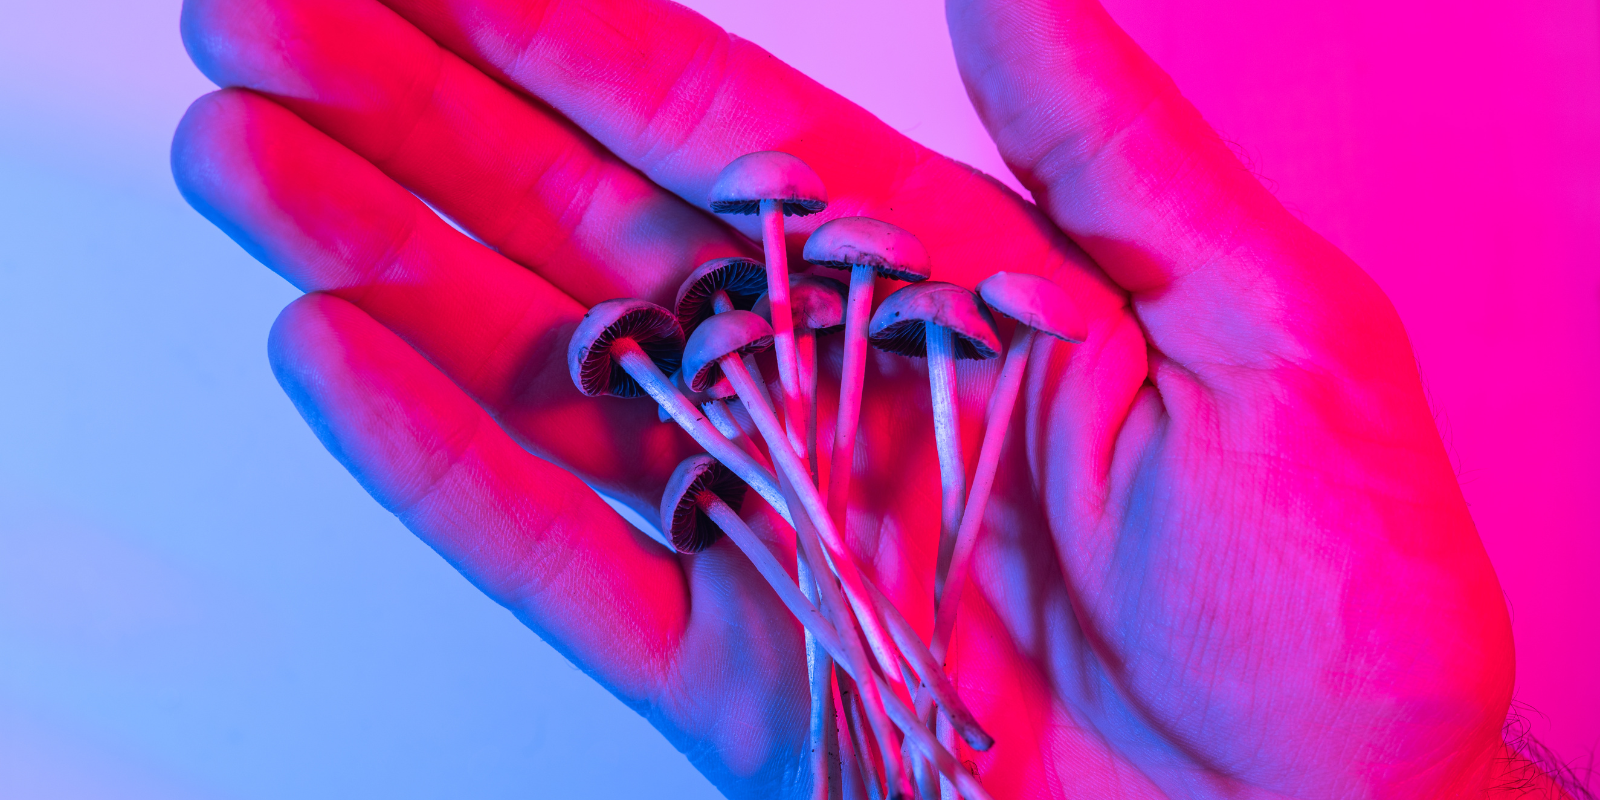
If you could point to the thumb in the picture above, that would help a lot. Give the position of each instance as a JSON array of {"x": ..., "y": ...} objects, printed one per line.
[{"x": 1121, "y": 161}]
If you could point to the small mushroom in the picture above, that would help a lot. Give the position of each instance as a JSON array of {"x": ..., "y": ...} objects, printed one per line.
[
  {"x": 1037, "y": 304},
  {"x": 623, "y": 348},
  {"x": 940, "y": 322},
  {"x": 697, "y": 506},
  {"x": 774, "y": 185},
  {"x": 715, "y": 351},
  {"x": 719, "y": 285},
  {"x": 866, "y": 248},
  {"x": 698, "y": 483},
  {"x": 817, "y": 303}
]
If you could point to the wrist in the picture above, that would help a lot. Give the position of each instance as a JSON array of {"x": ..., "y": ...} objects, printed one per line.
[{"x": 1526, "y": 770}]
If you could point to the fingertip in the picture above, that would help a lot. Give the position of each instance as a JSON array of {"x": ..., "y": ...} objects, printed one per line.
[{"x": 207, "y": 159}]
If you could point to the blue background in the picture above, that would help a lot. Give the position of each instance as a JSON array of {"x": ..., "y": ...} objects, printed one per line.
[{"x": 197, "y": 602}]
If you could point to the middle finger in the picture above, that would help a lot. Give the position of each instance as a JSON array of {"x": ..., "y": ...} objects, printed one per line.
[
  {"x": 518, "y": 176},
  {"x": 327, "y": 220}
]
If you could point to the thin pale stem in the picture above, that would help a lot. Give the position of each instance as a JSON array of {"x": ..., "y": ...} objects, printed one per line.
[
  {"x": 817, "y": 662},
  {"x": 927, "y": 669},
  {"x": 1001, "y": 404},
  {"x": 722, "y": 417},
  {"x": 819, "y": 670},
  {"x": 1002, "y": 401},
  {"x": 852, "y": 660},
  {"x": 947, "y": 739},
  {"x": 857, "y": 313},
  {"x": 805, "y": 342},
  {"x": 777, "y": 254},
  {"x": 866, "y": 763},
  {"x": 947, "y": 438},
  {"x": 660, "y": 388},
  {"x": 836, "y": 607},
  {"x": 811, "y": 504}
]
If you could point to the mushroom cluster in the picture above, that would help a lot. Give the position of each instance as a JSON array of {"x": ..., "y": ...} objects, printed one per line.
[{"x": 885, "y": 718}]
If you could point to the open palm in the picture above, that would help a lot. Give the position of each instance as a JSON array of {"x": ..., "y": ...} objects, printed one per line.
[{"x": 1226, "y": 554}]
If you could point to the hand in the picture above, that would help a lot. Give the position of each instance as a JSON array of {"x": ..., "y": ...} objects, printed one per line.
[{"x": 1227, "y": 556}]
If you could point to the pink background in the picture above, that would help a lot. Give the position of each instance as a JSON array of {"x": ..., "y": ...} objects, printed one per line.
[
  {"x": 1452, "y": 149},
  {"x": 196, "y": 601}
]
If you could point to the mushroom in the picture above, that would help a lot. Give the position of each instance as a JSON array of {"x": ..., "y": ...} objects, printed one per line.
[
  {"x": 719, "y": 285},
  {"x": 866, "y": 248},
  {"x": 940, "y": 322},
  {"x": 713, "y": 352},
  {"x": 1037, "y": 304},
  {"x": 774, "y": 185},
  {"x": 701, "y": 501},
  {"x": 817, "y": 306},
  {"x": 623, "y": 348}
]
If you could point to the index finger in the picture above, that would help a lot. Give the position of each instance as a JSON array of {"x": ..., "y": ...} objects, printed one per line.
[{"x": 677, "y": 97}]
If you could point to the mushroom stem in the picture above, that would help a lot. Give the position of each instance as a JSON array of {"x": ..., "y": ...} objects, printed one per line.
[
  {"x": 1001, "y": 403},
  {"x": 633, "y": 360},
  {"x": 839, "y": 608},
  {"x": 777, "y": 254},
  {"x": 811, "y": 505},
  {"x": 947, "y": 438},
  {"x": 857, "y": 314},
  {"x": 728, "y": 425},
  {"x": 805, "y": 342},
  {"x": 819, "y": 669},
  {"x": 858, "y": 767},
  {"x": 866, "y": 761},
  {"x": 852, "y": 660},
  {"x": 906, "y": 643},
  {"x": 927, "y": 669}
]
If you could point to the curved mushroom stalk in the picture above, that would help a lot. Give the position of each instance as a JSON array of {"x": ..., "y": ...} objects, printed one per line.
[
  {"x": 1037, "y": 304},
  {"x": 940, "y": 322},
  {"x": 817, "y": 305},
  {"x": 624, "y": 348},
  {"x": 774, "y": 185},
  {"x": 697, "y": 494},
  {"x": 866, "y": 248}
]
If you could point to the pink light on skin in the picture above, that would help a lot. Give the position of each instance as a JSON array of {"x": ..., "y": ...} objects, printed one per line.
[{"x": 1235, "y": 549}]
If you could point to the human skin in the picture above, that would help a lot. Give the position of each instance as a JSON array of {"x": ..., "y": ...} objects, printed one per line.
[{"x": 1226, "y": 555}]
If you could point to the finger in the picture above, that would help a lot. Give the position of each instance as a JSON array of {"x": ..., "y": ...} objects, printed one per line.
[
  {"x": 527, "y": 533},
  {"x": 518, "y": 176},
  {"x": 700, "y": 647},
  {"x": 1122, "y": 162},
  {"x": 328, "y": 220},
  {"x": 678, "y": 98}
]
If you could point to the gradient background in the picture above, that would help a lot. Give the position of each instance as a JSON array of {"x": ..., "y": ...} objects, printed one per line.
[{"x": 197, "y": 602}]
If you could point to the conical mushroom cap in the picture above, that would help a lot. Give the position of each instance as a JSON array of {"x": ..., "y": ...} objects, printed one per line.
[
  {"x": 816, "y": 302},
  {"x": 738, "y": 332},
  {"x": 596, "y": 371},
  {"x": 1036, "y": 302},
  {"x": 849, "y": 242},
  {"x": 743, "y": 279},
  {"x": 899, "y": 325},
  {"x": 768, "y": 175},
  {"x": 688, "y": 528}
]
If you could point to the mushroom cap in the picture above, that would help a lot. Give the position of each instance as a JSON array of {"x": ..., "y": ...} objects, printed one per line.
[
  {"x": 899, "y": 325},
  {"x": 1036, "y": 302},
  {"x": 738, "y": 332},
  {"x": 596, "y": 371},
  {"x": 849, "y": 242},
  {"x": 816, "y": 302},
  {"x": 743, "y": 279},
  {"x": 768, "y": 175},
  {"x": 688, "y": 528}
]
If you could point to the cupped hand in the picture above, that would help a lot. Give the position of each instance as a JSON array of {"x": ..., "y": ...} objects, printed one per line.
[{"x": 1226, "y": 557}]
